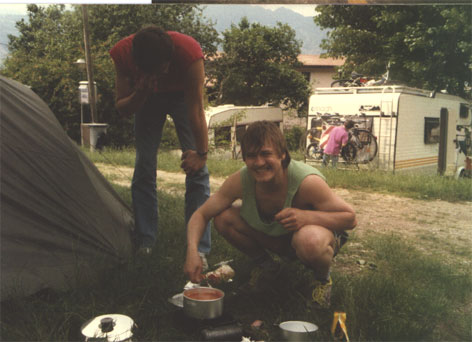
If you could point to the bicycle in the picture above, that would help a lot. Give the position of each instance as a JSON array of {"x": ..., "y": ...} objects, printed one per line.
[
  {"x": 359, "y": 80},
  {"x": 360, "y": 148}
]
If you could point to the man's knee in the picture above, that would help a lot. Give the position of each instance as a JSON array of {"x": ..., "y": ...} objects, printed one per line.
[{"x": 313, "y": 242}]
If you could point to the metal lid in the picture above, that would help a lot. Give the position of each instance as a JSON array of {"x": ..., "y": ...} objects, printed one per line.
[
  {"x": 298, "y": 326},
  {"x": 110, "y": 327}
]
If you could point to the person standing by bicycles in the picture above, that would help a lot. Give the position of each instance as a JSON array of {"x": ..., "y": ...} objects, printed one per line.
[{"x": 337, "y": 140}]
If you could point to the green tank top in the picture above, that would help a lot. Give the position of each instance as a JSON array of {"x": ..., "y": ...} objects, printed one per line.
[{"x": 297, "y": 171}]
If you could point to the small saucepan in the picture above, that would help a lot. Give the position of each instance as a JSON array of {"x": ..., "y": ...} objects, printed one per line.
[
  {"x": 298, "y": 331},
  {"x": 203, "y": 302}
]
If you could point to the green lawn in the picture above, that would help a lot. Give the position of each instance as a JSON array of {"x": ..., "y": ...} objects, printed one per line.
[{"x": 401, "y": 295}]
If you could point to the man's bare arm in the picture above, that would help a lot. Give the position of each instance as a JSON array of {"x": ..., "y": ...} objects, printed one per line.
[
  {"x": 325, "y": 208},
  {"x": 192, "y": 161},
  {"x": 216, "y": 204},
  {"x": 130, "y": 99}
]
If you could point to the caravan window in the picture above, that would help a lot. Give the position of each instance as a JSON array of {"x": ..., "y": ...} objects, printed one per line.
[{"x": 431, "y": 130}]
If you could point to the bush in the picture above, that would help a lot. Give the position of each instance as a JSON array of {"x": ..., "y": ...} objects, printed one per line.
[
  {"x": 293, "y": 136},
  {"x": 169, "y": 136}
]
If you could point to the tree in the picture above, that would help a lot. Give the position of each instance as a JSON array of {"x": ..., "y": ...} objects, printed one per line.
[
  {"x": 258, "y": 67},
  {"x": 49, "y": 42},
  {"x": 427, "y": 46}
]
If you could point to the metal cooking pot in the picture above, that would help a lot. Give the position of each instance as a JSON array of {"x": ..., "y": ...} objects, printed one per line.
[
  {"x": 298, "y": 331},
  {"x": 203, "y": 302},
  {"x": 108, "y": 328}
]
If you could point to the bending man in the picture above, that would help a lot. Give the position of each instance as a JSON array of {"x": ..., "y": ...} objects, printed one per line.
[{"x": 160, "y": 73}]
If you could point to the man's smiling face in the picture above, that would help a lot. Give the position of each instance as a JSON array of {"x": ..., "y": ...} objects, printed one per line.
[{"x": 264, "y": 164}]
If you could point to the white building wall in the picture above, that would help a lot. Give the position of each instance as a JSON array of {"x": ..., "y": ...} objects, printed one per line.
[{"x": 321, "y": 78}]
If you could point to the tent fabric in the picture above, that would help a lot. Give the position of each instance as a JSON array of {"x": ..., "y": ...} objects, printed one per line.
[{"x": 59, "y": 216}]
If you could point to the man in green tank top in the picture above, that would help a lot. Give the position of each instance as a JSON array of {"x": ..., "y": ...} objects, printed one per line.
[{"x": 287, "y": 208}]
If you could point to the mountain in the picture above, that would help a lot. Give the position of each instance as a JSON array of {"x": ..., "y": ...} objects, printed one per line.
[
  {"x": 306, "y": 30},
  {"x": 222, "y": 16},
  {"x": 7, "y": 26}
]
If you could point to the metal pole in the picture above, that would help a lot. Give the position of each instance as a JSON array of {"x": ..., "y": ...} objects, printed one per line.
[
  {"x": 88, "y": 61},
  {"x": 81, "y": 122}
]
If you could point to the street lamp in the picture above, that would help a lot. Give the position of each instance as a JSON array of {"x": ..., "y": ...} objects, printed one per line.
[
  {"x": 84, "y": 99},
  {"x": 80, "y": 63},
  {"x": 81, "y": 66}
]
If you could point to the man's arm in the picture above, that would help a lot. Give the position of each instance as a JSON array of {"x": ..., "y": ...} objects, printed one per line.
[
  {"x": 195, "y": 160},
  {"x": 326, "y": 209},
  {"x": 216, "y": 204},
  {"x": 130, "y": 99}
]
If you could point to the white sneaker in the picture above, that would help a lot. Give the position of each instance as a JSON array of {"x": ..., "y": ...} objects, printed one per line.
[{"x": 204, "y": 261}]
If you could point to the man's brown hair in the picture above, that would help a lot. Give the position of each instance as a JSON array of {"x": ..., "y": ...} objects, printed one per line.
[
  {"x": 348, "y": 124},
  {"x": 152, "y": 47},
  {"x": 260, "y": 132}
]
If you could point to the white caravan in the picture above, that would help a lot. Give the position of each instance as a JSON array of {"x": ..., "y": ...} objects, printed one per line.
[
  {"x": 415, "y": 129},
  {"x": 227, "y": 123}
]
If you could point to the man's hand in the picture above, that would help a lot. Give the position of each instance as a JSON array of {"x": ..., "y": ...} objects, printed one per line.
[
  {"x": 145, "y": 84},
  {"x": 291, "y": 218},
  {"x": 193, "y": 267},
  {"x": 192, "y": 162}
]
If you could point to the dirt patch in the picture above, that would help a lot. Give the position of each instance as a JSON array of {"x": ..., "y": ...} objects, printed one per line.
[
  {"x": 434, "y": 226},
  {"x": 171, "y": 182}
]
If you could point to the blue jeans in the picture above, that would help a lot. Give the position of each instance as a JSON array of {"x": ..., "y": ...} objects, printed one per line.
[
  {"x": 327, "y": 157},
  {"x": 148, "y": 125}
]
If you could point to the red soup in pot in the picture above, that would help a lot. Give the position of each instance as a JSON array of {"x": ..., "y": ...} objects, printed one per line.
[{"x": 203, "y": 294}]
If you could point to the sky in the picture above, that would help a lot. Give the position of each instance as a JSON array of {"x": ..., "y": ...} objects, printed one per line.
[{"x": 9, "y": 6}]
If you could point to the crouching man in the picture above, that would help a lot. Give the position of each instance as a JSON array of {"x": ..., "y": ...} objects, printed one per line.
[{"x": 287, "y": 208}]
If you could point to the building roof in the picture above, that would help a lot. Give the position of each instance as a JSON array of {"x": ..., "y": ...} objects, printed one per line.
[{"x": 316, "y": 60}]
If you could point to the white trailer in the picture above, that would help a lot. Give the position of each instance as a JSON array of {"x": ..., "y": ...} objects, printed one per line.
[
  {"x": 415, "y": 129},
  {"x": 229, "y": 122}
]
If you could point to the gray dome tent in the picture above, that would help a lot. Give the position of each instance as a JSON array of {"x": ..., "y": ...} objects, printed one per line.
[{"x": 59, "y": 216}]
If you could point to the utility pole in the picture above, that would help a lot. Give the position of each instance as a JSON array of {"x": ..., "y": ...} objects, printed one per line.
[{"x": 88, "y": 62}]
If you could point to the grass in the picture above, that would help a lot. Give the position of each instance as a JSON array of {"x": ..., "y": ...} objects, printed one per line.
[
  {"x": 408, "y": 296},
  {"x": 419, "y": 186}
]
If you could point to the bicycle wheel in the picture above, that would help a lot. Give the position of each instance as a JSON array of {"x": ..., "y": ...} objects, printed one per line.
[
  {"x": 340, "y": 83},
  {"x": 368, "y": 144},
  {"x": 314, "y": 152},
  {"x": 349, "y": 152}
]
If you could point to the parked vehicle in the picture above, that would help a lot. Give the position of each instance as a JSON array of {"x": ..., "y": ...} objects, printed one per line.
[{"x": 415, "y": 129}]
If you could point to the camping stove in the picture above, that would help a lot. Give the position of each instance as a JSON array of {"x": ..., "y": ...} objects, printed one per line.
[{"x": 223, "y": 328}]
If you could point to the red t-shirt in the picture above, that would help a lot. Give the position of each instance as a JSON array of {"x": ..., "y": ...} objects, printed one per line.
[{"x": 186, "y": 51}]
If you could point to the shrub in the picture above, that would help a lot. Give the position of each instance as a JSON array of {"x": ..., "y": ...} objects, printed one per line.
[{"x": 293, "y": 136}]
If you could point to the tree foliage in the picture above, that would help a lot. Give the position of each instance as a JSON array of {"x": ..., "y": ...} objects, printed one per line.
[
  {"x": 258, "y": 67},
  {"x": 427, "y": 46},
  {"x": 51, "y": 40}
]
